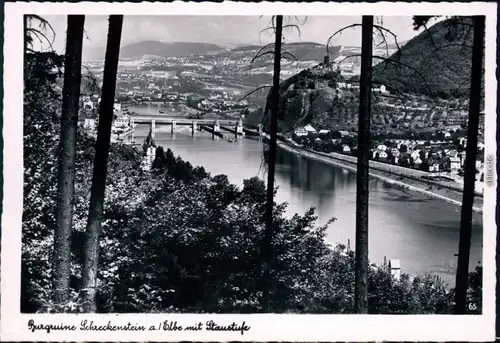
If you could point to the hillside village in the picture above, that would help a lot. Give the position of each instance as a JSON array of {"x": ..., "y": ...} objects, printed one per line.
[
  {"x": 443, "y": 155},
  {"x": 412, "y": 131}
]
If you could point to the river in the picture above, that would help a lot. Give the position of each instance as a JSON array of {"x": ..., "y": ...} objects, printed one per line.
[{"x": 420, "y": 231}]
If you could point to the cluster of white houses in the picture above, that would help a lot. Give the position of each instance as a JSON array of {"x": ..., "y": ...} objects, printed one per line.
[
  {"x": 305, "y": 131},
  {"x": 413, "y": 153},
  {"x": 122, "y": 124},
  {"x": 309, "y": 130}
]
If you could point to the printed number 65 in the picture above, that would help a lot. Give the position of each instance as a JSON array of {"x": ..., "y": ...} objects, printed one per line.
[{"x": 472, "y": 306}]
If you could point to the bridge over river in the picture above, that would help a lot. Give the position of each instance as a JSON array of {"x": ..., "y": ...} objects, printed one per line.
[
  {"x": 211, "y": 125},
  {"x": 420, "y": 231},
  {"x": 181, "y": 120}
]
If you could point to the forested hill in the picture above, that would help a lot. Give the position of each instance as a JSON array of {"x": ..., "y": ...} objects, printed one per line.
[{"x": 442, "y": 55}]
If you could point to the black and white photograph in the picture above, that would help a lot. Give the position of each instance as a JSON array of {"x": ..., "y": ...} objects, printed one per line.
[{"x": 234, "y": 164}]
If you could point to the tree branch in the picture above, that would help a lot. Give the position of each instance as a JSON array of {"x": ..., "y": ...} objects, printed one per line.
[
  {"x": 338, "y": 32},
  {"x": 260, "y": 53},
  {"x": 429, "y": 34},
  {"x": 294, "y": 26},
  {"x": 382, "y": 29},
  {"x": 253, "y": 91},
  {"x": 43, "y": 23},
  {"x": 288, "y": 56},
  {"x": 39, "y": 35},
  {"x": 396, "y": 62},
  {"x": 91, "y": 82}
]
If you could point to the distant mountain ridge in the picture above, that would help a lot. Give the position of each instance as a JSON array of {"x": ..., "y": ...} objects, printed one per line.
[
  {"x": 292, "y": 47},
  {"x": 303, "y": 51},
  {"x": 300, "y": 51},
  {"x": 167, "y": 49}
]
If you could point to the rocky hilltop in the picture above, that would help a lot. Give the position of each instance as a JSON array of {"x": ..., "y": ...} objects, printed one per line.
[
  {"x": 306, "y": 98},
  {"x": 311, "y": 98}
]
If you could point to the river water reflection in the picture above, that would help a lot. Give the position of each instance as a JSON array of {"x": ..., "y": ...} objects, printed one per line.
[{"x": 419, "y": 231}]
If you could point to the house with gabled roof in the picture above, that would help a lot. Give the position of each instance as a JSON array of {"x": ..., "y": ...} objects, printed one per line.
[
  {"x": 310, "y": 129},
  {"x": 300, "y": 132},
  {"x": 454, "y": 163}
]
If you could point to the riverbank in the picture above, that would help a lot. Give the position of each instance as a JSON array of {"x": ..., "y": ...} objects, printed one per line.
[{"x": 448, "y": 195}]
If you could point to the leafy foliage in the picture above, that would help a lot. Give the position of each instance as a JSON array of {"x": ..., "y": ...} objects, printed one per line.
[{"x": 41, "y": 109}]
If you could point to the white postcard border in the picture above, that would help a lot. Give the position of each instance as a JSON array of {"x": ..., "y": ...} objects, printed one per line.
[{"x": 263, "y": 327}]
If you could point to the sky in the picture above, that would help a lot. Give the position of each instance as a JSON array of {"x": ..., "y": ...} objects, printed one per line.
[{"x": 224, "y": 30}]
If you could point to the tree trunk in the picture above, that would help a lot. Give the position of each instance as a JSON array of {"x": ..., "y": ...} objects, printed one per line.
[
  {"x": 361, "y": 284},
  {"x": 66, "y": 186},
  {"x": 91, "y": 250},
  {"x": 470, "y": 167},
  {"x": 267, "y": 248}
]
